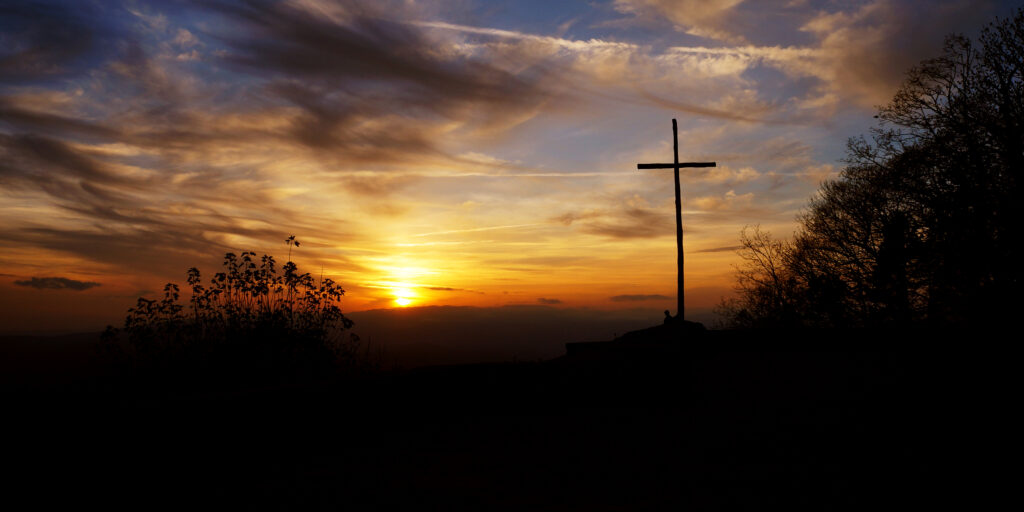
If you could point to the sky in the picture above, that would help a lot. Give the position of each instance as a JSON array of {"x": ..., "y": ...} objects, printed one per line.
[{"x": 463, "y": 152}]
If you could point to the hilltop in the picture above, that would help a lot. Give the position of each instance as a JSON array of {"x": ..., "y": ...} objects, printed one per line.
[{"x": 720, "y": 420}]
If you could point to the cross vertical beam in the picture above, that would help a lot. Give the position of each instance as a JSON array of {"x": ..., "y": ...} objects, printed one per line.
[
  {"x": 679, "y": 223},
  {"x": 676, "y": 165}
]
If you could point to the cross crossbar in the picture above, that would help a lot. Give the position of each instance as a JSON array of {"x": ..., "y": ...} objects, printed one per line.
[
  {"x": 673, "y": 166},
  {"x": 676, "y": 165}
]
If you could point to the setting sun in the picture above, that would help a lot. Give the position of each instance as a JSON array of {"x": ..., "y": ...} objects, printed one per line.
[{"x": 403, "y": 296}]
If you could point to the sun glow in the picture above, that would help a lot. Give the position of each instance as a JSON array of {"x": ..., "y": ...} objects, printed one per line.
[
  {"x": 403, "y": 296},
  {"x": 402, "y": 281}
]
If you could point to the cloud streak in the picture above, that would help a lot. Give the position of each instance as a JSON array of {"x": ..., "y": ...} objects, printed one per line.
[
  {"x": 705, "y": 18},
  {"x": 361, "y": 76},
  {"x": 638, "y": 298},
  {"x": 46, "y": 40},
  {"x": 57, "y": 283}
]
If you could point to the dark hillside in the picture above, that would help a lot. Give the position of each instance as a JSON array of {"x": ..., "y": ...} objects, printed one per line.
[
  {"x": 812, "y": 419},
  {"x": 42, "y": 361},
  {"x": 413, "y": 337}
]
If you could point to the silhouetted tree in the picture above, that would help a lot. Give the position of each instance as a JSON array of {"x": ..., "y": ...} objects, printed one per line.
[
  {"x": 765, "y": 283},
  {"x": 923, "y": 223}
]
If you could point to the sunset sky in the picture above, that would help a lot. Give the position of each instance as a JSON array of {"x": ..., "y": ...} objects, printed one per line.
[{"x": 463, "y": 152}]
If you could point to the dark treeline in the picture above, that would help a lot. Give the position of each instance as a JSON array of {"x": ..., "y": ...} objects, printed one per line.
[{"x": 923, "y": 224}]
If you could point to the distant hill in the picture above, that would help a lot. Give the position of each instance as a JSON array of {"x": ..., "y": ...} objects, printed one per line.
[
  {"x": 43, "y": 360},
  {"x": 400, "y": 338},
  {"x": 431, "y": 335}
]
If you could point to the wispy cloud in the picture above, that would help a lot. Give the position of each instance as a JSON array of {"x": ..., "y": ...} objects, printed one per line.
[
  {"x": 47, "y": 39},
  {"x": 726, "y": 248},
  {"x": 634, "y": 218},
  {"x": 474, "y": 230},
  {"x": 638, "y": 298},
  {"x": 57, "y": 283},
  {"x": 705, "y": 18}
]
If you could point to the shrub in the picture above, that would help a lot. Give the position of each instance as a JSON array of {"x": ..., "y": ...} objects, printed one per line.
[{"x": 250, "y": 322}]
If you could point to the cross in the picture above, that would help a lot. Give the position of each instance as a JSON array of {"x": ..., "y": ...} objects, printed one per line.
[{"x": 679, "y": 210}]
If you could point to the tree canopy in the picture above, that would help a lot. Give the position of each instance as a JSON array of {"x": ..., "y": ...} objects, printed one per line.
[{"x": 923, "y": 223}]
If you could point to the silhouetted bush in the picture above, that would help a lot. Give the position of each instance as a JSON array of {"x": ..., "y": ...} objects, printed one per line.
[{"x": 249, "y": 324}]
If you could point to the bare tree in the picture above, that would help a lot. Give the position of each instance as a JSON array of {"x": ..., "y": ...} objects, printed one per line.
[
  {"x": 923, "y": 224},
  {"x": 764, "y": 282}
]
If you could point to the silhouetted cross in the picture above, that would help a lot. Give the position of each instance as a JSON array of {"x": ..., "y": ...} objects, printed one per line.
[{"x": 679, "y": 209}]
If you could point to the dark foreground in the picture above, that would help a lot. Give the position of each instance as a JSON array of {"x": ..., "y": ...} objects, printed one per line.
[{"x": 811, "y": 420}]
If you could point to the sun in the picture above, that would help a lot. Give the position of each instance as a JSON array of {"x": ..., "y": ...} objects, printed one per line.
[
  {"x": 403, "y": 283},
  {"x": 403, "y": 296}
]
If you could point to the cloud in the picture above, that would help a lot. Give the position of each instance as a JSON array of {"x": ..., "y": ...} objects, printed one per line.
[
  {"x": 722, "y": 175},
  {"x": 747, "y": 113},
  {"x": 865, "y": 52},
  {"x": 185, "y": 39},
  {"x": 360, "y": 62},
  {"x": 727, "y": 248},
  {"x": 353, "y": 83},
  {"x": 597, "y": 69},
  {"x": 46, "y": 122},
  {"x": 638, "y": 298},
  {"x": 705, "y": 18},
  {"x": 632, "y": 219},
  {"x": 859, "y": 51},
  {"x": 377, "y": 186},
  {"x": 45, "y": 40},
  {"x": 473, "y": 230},
  {"x": 816, "y": 174},
  {"x": 34, "y": 155},
  {"x": 140, "y": 70},
  {"x": 728, "y": 201},
  {"x": 549, "y": 302},
  {"x": 854, "y": 54},
  {"x": 102, "y": 211},
  {"x": 559, "y": 42},
  {"x": 57, "y": 283},
  {"x": 535, "y": 263},
  {"x": 632, "y": 223},
  {"x": 570, "y": 217}
]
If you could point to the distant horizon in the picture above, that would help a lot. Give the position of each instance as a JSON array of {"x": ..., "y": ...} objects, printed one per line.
[{"x": 707, "y": 316}]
